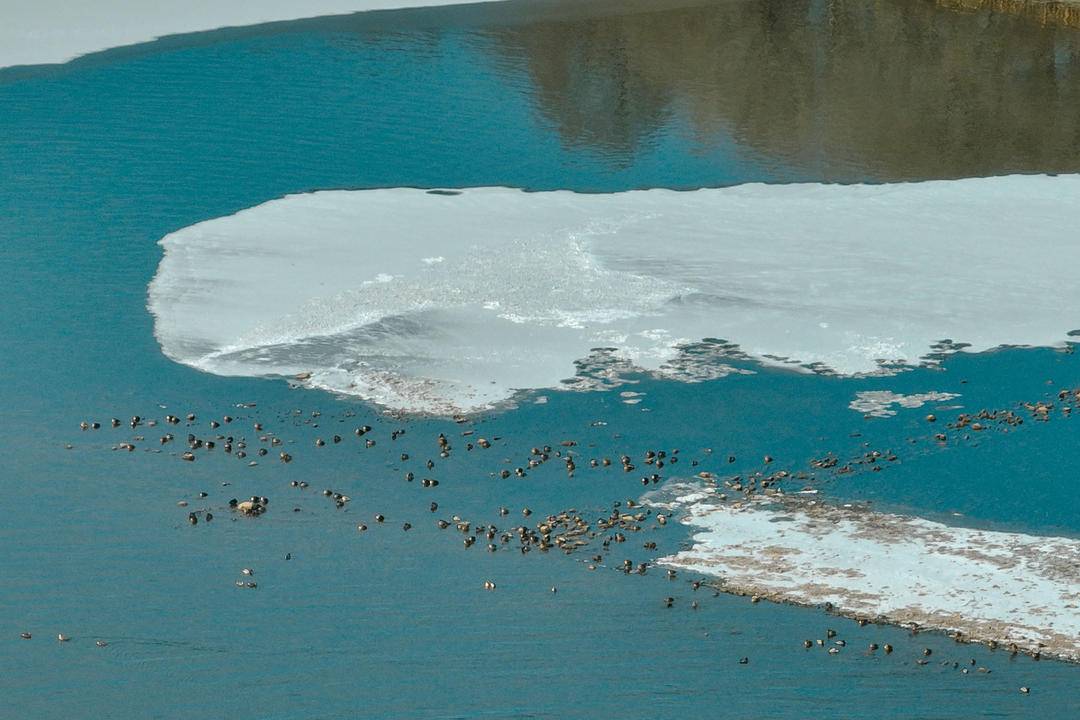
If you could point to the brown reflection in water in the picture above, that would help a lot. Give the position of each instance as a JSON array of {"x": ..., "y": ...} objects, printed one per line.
[
  {"x": 1046, "y": 12},
  {"x": 837, "y": 90}
]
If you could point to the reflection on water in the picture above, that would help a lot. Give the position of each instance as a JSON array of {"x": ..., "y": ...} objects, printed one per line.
[
  {"x": 825, "y": 89},
  {"x": 101, "y": 158},
  {"x": 678, "y": 93},
  {"x": 1047, "y": 12}
]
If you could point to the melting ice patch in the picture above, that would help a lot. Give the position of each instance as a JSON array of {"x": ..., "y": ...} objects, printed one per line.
[
  {"x": 1006, "y": 587},
  {"x": 447, "y": 303},
  {"x": 878, "y": 403}
]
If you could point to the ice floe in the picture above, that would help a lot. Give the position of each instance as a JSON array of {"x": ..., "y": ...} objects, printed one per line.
[
  {"x": 986, "y": 585},
  {"x": 878, "y": 403},
  {"x": 848, "y": 279}
]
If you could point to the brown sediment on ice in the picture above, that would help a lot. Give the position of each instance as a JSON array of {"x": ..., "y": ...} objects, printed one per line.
[{"x": 977, "y": 585}]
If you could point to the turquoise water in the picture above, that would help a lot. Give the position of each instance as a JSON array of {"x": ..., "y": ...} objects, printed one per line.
[{"x": 101, "y": 157}]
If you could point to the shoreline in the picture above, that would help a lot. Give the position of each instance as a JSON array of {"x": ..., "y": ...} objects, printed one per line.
[{"x": 53, "y": 33}]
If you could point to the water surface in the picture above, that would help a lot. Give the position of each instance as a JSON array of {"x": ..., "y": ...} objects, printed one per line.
[{"x": 102, "y": 157}]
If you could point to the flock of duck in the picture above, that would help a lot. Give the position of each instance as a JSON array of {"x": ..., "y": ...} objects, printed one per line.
[{"x": 569, "y": 530}]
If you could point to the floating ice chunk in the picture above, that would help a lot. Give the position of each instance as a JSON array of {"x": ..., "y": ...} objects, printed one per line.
[
  {"x": 1007, "y": 587},
  {"x": 838, "y": 278},
  {"x": 878, "y": 403}
]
